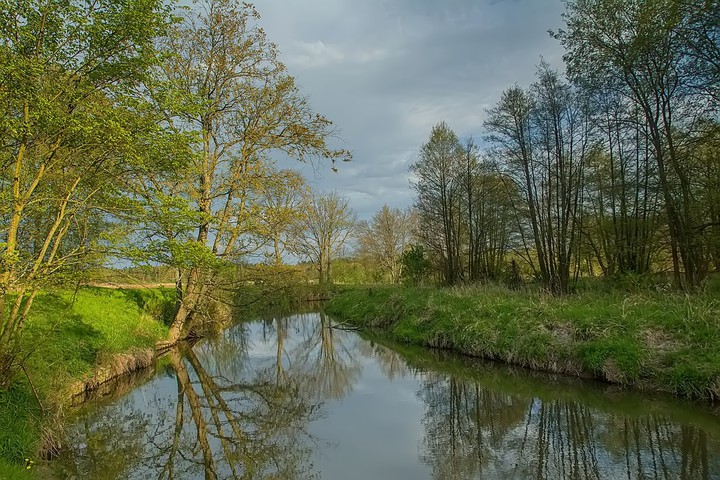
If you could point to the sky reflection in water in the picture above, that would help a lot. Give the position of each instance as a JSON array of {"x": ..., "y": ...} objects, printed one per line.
[{"x": 291, "y": 398}]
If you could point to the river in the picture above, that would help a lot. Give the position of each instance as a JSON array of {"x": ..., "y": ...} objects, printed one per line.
[{"x": 289, "y": 397}]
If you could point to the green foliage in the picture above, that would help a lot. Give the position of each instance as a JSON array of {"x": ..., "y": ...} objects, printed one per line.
[
  {"x": 657, "y": 61},
  {"x": 512, "y": 277},
  {"x": 658, "y": 340},
  {"x": 14, "y": 471},
  {"x": 140, "y": 275},
  {"x": 353, "y": 271},
  {"x": 66, "y": 336},
  {"x": 415, "y": 265},
  {"x": 712, "y": 285},
  {"x": 73, "y": 126},
  {"x": 19, "y": 414},
  {"x": 157, "y": 303}
]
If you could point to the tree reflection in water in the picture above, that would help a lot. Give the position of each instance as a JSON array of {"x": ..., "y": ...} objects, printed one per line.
[
  {"x": 474, "y": 432},
  {"x": 239, "y": 406},
  {"x": 323, "y": 359},
  {"x": 246, "y": 428}
]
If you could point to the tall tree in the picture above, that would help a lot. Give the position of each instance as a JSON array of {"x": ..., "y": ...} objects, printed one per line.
[
  {"x": 624, "y": 205},
  {"x": 65, "y": 70},
  {"x": 326, "y": 225},
  {"x": 705, "y": 155},
  {"x": 542, "y": 140},
  {"x": 651, "y": 46},
  {"x": 485, "y": 199},
  {"x": 509, "y": 127},
  {"x": 225, "y": 86},
  {"x": 701, "y": 34},
  {"x": 438, "y": 199}
]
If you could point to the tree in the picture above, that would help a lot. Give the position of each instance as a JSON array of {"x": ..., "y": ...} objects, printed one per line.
[
  {"x": 662, "y": 52},
  {"x": 438, "y": 202},
  {"x": 65, "y": 70},
  {"x": 464, "y": 208},
  {"x": 701, "y": 34},
  {"x": 542, "y": 138},
  {"x": 415, "y": 265},
  {"x": 385, "y": 238},
  {"x": 486, "y": 202},
  {"x": 705, "y": 155},
  {"x": 224, "y": 87},
  {"x": 282, "y": 204},
  {"x": 323, "y": 230},
  {"x": 624, "y": 205}
]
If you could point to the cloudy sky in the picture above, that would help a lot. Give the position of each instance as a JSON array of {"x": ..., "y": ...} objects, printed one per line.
[{"x": 386, "y": 71}]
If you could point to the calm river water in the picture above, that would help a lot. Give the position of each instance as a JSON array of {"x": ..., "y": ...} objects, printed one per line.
[{"x": 291, "y": 398}]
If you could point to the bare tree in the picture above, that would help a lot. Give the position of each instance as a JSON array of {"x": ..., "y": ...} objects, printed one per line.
[
  {"x": 542, "y": 139},
  {"x": 385, "y": 237},
  {"x": 326, "y": 225}
]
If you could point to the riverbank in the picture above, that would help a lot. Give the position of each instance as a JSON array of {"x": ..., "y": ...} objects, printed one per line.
[
  {"x": 70, "y": 339},
  {"x": 650, "y": 340}
]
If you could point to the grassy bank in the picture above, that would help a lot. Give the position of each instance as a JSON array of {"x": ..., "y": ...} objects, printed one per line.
[
  {"x": 67, "y": 336},
  {"x": 529, "y": 384},
  {"x": 649, "y": 340}
]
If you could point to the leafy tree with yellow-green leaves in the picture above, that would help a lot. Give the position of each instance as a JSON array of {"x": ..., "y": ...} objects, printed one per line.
[
  {"x": 66, "y": 68},
  {"x": 223, "y": 86}
]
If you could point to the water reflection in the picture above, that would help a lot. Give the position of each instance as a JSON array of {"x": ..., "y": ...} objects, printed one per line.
[
  {"x": 472, "y": 431},
  {"x": 265, "y": 400},
  {"x": 223, "y": 421},
  {"x": 324, "y": 360}
]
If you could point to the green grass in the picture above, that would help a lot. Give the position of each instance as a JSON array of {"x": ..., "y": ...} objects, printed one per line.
[
  {"x": 19, "y": 414},
  {"x": 531, "y": 384},
  {"x": 65, "y": 338},
  {"x": 655, "y": 340}
]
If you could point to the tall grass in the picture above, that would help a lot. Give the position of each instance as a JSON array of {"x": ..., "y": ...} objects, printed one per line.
[
  {"x": 657, "y": 340},
  {"x": 67, "y": 335}
]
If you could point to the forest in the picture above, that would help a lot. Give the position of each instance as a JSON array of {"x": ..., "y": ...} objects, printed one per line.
[{"x": 611, "y": 170}]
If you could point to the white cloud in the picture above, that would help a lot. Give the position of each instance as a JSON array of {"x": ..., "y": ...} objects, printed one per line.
[
  {"x": 314, "y": 54},
  {"x": 307, "y": 55}
]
